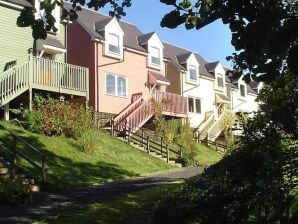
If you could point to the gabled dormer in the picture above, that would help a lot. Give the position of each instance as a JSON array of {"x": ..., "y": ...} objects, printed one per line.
[
  {"x": 190, "y": 62},
  {"x": 113, "y": 35},
  {"x": 219, "y": 72},
  {"x": 155, "y": 47}
]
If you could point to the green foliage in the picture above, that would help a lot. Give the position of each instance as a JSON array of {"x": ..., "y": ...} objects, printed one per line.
[
  {"x": 266, "y": 48},
  {"x": 175, "y": 132},
  {"x": 54, "y": 118},
  {"x": 89, "y": 141},
  {"x": 255, "y": 184}
]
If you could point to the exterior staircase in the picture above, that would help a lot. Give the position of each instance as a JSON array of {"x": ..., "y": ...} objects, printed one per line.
[
  {"x": 27, "y": 184},
  {"x": 10, "y": 168},
  {"x": 215, "y": 130},
  {"x": 135, "y": 115},
  {"x": 127, "y": 125}
]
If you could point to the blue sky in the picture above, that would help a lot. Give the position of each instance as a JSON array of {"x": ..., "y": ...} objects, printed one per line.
[{"x": 211, "y": 42}]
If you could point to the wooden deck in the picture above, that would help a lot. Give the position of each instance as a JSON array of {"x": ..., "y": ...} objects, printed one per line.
[{"x": 43, "y": 74}]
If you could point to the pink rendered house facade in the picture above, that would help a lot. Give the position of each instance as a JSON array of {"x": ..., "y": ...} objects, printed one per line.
[{"x": 124, "y": 64}]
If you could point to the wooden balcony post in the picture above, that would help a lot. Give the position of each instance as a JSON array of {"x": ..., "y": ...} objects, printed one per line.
[
  {"x": 161, "y": 140},
  {"x": 168, "y": 154},
  {"x": 181, "y": 153},
  {"x": 112, "y": 127},
  {"x": 128, "y": 136},
  {"x": 32, "y": 62},
  {"x": 148, "y": 144},
  {"x": 13, "y": 162},
  {"x": 6, "y": 112},
  {"x": 43, "y": 169},
  {"x": 142, "y": 142}
]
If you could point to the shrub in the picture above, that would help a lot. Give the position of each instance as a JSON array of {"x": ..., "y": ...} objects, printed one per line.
[{"x": 53, "y": 118}]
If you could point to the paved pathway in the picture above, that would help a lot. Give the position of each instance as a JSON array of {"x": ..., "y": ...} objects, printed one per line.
[{"x": 48, "y": 204}]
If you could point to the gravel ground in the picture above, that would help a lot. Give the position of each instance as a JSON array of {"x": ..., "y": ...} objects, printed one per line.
[{"x": 48, "y": 204}]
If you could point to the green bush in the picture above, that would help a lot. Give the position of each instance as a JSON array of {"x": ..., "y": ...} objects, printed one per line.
[{"x": 54, "y": 118}]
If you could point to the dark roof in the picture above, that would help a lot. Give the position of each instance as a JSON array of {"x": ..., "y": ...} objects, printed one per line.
[
  {"x": 89, "y": 19},
  {"x": 159, "y": 77},
  {"x": 52, "y": 41},
  {"x": 100, "y": 25},
  {"x": 143, "y": 39},
  {"x": 19, "y": 2},
  {"x": 234, "y": 84},
  {"x": 182, "y": 58},
  {"x": 171, "y": 52},
  {"x": 211, "y": 66}
]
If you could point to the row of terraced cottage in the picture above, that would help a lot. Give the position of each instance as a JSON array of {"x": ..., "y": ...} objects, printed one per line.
[{"x": 116, "y": 68}]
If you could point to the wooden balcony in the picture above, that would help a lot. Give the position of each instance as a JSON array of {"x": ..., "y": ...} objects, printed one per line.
[
  {"x": 172, "y": 104},
  {"x": 43, "y": 74},
  {"x": 59, "y": 77}
]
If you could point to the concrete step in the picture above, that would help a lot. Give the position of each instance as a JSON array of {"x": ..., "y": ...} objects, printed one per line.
[
  {"x": 27, "y": 181},
  {"x": 34, "y": 188},
  {"x": 4, "y": 170}
]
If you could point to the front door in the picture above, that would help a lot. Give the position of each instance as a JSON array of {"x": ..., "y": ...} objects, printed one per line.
[{"x": 46, "y": 69}]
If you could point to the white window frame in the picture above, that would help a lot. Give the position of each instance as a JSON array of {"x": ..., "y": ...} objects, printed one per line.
[
  {"x": 192, "y": 81},
  {"x": 245, "y": 91},
  {"x": 116, "y": 85},
  {"x": 194, "y": 105},
  {"x": 152, "y": 48},
  {"x": 110, "y": 43},
  {"x": 223, "y": 81}
]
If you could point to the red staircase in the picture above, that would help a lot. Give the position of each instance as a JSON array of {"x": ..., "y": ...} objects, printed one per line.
[{"x": 141, "y": 110}]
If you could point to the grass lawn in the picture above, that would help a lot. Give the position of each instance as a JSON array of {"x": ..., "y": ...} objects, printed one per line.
[
  {"x": 133, "y": 208},
  {"x": 207, "y": 156},
  {"x": 68, "y": 167}
]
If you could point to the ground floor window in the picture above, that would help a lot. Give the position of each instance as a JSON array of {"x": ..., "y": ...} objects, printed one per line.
[
  {"x": 194, "y": 105},
  {"x": 116, "y": 85}
]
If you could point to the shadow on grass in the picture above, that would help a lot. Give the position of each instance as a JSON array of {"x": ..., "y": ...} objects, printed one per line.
[
  {"x": 132, "y": 208},
  {"x": 62, "y": 172}
]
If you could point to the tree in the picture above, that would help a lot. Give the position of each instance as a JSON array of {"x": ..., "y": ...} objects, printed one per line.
[{"x": 264, "y": 32}]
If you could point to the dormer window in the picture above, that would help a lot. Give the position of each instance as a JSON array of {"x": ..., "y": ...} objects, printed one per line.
[
  {"x": 193, "y": 74},
  {"x": 242, "y": 91},
  {"x": 155, "y": 56},
  {"x": 114, "y": 44},
  {"x": 220, "y": 81},
  {"x": 113, "y": 34}
]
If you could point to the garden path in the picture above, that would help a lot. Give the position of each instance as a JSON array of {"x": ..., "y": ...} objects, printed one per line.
[{"x": 48, "y": 203}]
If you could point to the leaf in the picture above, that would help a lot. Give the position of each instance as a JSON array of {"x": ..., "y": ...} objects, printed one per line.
[
  {"x": 168, "y": 2},
  {"x": 172, "y": 19},
  {"x": 185, "y": 4}
]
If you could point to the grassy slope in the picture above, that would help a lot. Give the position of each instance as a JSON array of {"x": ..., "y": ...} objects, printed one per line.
[
  {"x": 132, "y": 208},
  {"x": 69, "y": 167},
  {"x": 207, "y": 156}
]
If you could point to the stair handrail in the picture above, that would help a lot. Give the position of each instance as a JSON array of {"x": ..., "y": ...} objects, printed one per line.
[
  {"x": 14, "y": 80},
  {"x": 147, "y": 108},
  {"x": 216, "y": 123},
  {"x": 126, "y": 111},
  {"x": 206, "y": 123},
  {"x": 16, "y": 153}
]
